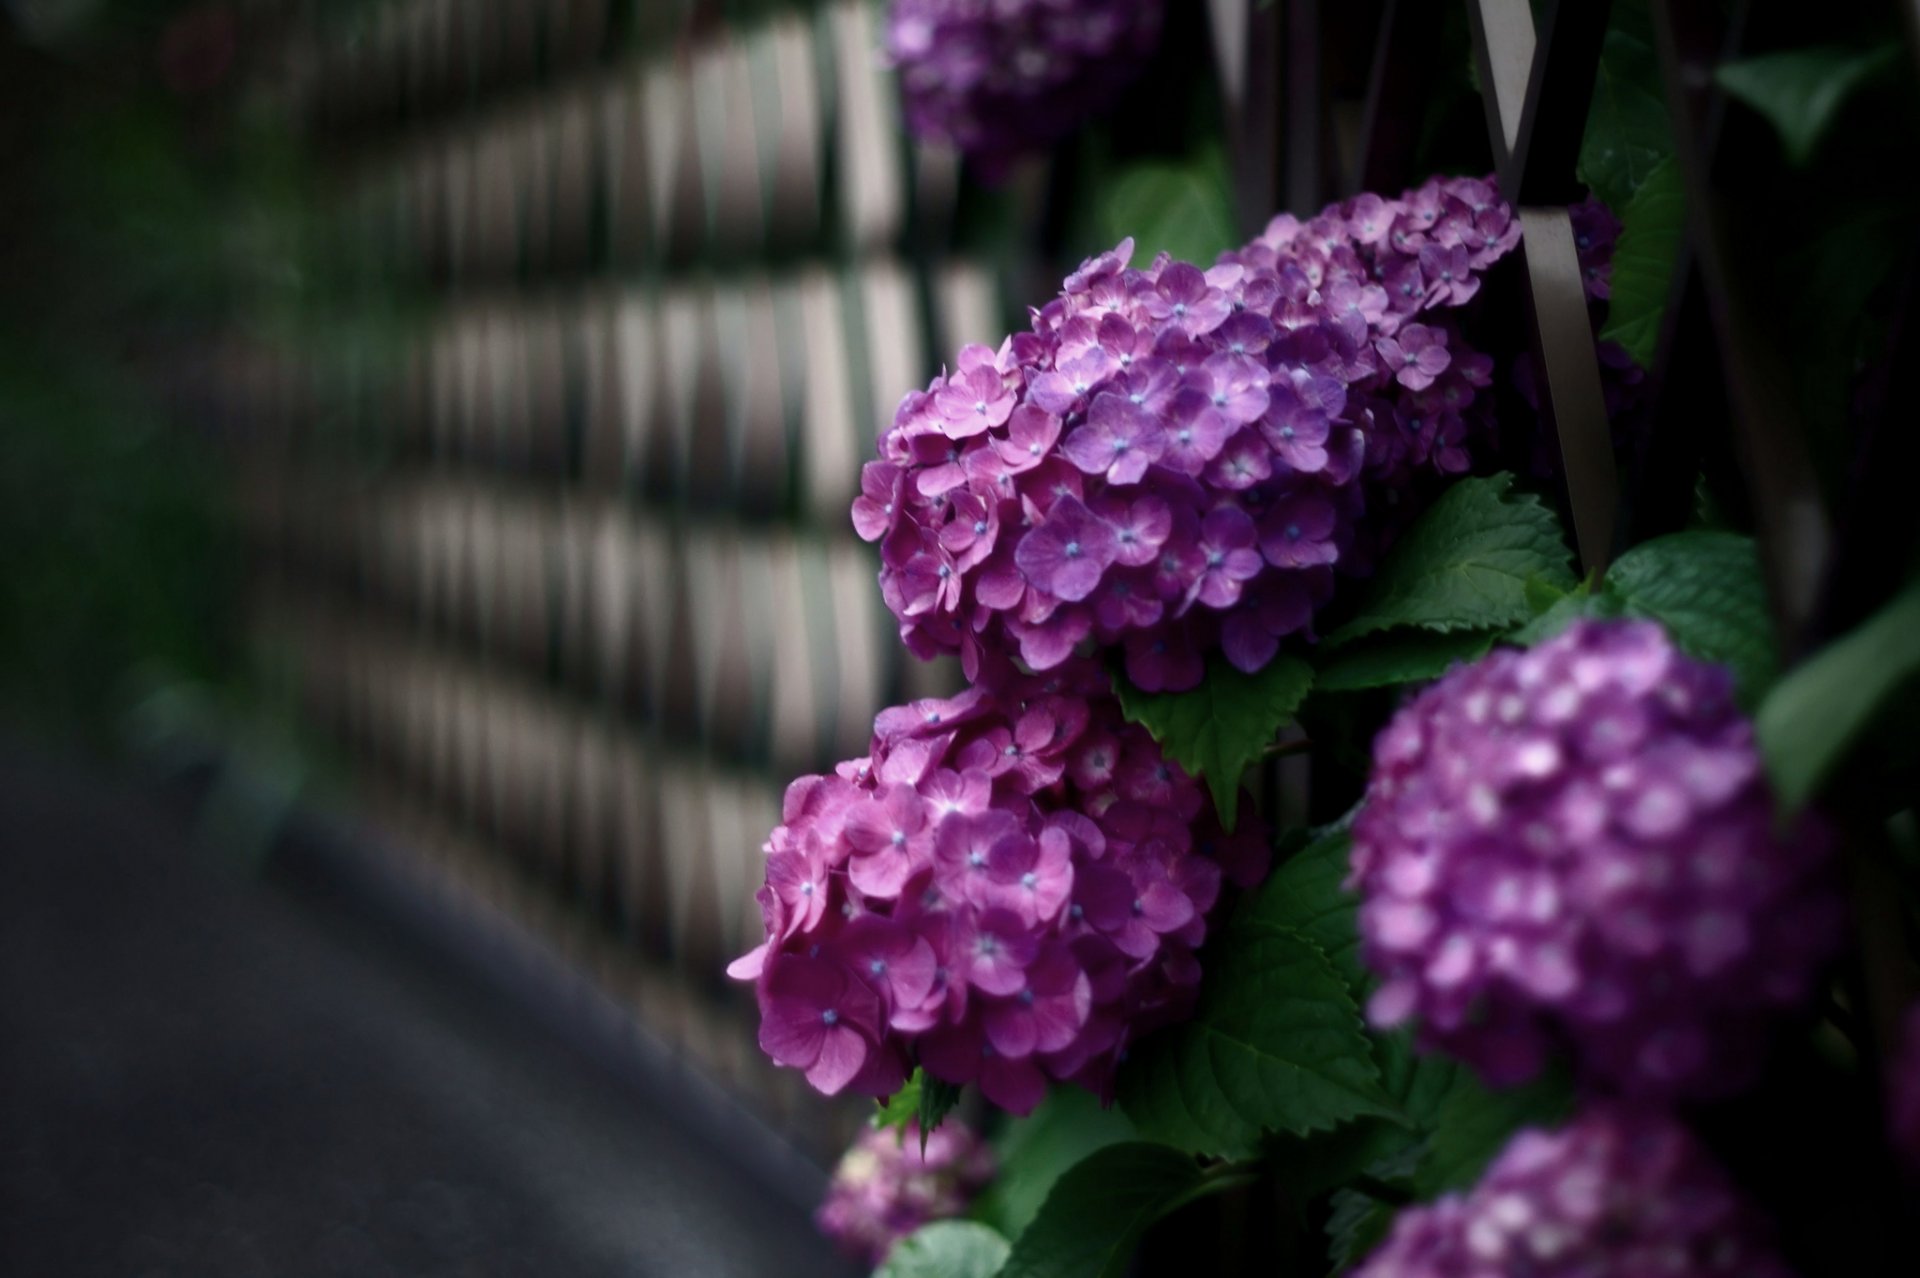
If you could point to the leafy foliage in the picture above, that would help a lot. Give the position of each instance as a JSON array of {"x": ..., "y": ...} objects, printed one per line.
[
  {"x": 1473, "y": 1122},
  {"x": 1094, "y": 1217},
  {"x": 1466, "y": 564},
  {"x": 1034, "y": 1152},
  {"x": 1399, "y": 656},
  {"x": 1275, "y": 1045},
  {"x": 1801, "y": 91},
  {"x": 1810, "y": 722},
  {"x": 1706, "y": 589},
  {"x": 1183, "y": 209},
  {"x": 923, "y": 1099},
  {"x": 1628, "y": 133},
  {"x": 1652, "y": 228},
  {"x": 947, "y": 1249},
  {"x": 1218, "y": 728}
]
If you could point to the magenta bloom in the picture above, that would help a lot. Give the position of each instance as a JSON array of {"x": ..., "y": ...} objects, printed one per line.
[
  {"x": 1095, "y": 477},
  {"x": 886, "y": 1186},
  {"x": 1618, "y": 1192},
  {"x": 1012, "y": 884},
  {"x": 1015, "y": 76},
  {"x": 817, "y": 1017},
  {"x": 1577, "y": 845}
]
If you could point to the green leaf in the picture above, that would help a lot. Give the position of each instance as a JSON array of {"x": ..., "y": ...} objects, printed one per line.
[
  {"x": 1093, "y": 1219},
  {"x": 1183, "y": 209},
  {"x": 1033, "y": 1152},
  {"x": 1706, "y": 589},
  {"x": 947, "y": 1249},
  {"x": 1473, "y": 1123},
  {"x": 937, "y": 1099},
  {"x": 927, "y": 1100},
  {"x": 1400, "y": 656},
  {"x": 1305, "y": 895},
  {"x": 1800, "y": 91},
  {"x": 903, "y": 1106},
  {"x": 1217, "y": 729},
  {"x": 1810, "y": 721},
  {"x": 1651, "y": 230},
  {"x": 1355, "y": 1227},
  {"x": 1275, "y": 1045},
  {"x": 1466, "y": 564},
  {"x": 1570, "y": 607},
  {"x": 1628, "y": 133}
]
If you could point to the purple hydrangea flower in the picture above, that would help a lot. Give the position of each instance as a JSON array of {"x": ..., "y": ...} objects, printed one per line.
[
  {"x": 1619, "y": 1192},
  {"x": 1174, "y": 461},
  {"x": 887, "y": 1186},
  {"x": 1576, "y": 844},
  {"x": 1007, "y": 889},
  {"x": 1002, "y": 79}
]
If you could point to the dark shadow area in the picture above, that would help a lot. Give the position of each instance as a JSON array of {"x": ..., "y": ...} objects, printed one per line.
[{"x": 203, "y": 1073}]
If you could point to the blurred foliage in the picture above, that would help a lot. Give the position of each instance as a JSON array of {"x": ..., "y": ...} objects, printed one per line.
[{"x": 139, "y": 215}]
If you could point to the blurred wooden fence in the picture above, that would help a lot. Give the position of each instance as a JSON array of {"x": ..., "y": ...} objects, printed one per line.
[{"x": 573, "y": 583}]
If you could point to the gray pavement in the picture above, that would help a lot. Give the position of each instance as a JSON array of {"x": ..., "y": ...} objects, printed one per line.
[{"x": 203, "y": 1073}]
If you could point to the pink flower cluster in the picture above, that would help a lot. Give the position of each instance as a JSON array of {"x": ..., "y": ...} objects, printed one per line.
[
  {"x": 1001, "y": 78},
  {"x": 1008, "y": 888},
  {"x": 1618, "y": 1192},
  {"x": 1576, "y": 844},
  {"x": 1176, "y": 459},
  {"x": 887, "y": 1185}
]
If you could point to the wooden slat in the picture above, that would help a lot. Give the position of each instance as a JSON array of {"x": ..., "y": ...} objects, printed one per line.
[{"x": 1513, "y": 76}]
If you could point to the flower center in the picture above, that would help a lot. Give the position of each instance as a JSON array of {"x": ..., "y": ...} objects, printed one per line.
[
  {"x": 1029, "y": 879},
  {"x": 1073, "y": 550},
  {"x": 829, "y": 1017},
  {"x": 899, "y": 837}
]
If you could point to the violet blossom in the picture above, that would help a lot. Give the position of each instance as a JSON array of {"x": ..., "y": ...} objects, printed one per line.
[
  {"x": 888, "y": 1185},
  {"x": 1004, "y": 78},
  {"x": 1008, "y": 889},
  {"x": 1175, "y": 461},
  {"x": 1577, "y": 845},
  {"x": 1618, "y": 1192}
]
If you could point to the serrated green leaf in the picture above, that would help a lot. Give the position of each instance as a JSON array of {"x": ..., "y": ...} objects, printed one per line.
[
  {"x": 1651, "y": 231},
  {"x": 1306, "y": 895},
  {"x": 1812, "y": 718},
  {"x": 1800, "y": 91},
  {"x": 1628, "y": 132},
  {"x": 903, "y": 1106},
  {"x": 922, "y": 1099},
  {"x": 937, "y": 1099},
  {"x": 1032, "y": 1153},
  {"x": 1570, "y": 607},
  {"x": 1182, "y": 209},
  {"x": 1473, "y": 1123},
  {"x": 1215, "y": 730},
  {"x": 1706, "y": 589},
  {"x": 1275, "y": 1045},
  {"x": 1093, "y": 1219},
  {"x": 1465, "y": 564},
  {"x": 1400, "y": 656},
  {"x": 947, "y": 1249}
]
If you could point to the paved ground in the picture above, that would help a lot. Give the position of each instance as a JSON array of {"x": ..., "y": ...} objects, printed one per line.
[{"x": 205, "y": 1074}]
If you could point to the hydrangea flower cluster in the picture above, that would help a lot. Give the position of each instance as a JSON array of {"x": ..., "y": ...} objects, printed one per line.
[
  {"x": 1008, "y": 888},
  {"x": 1619, "y": 1192},
  {"x": 1176, "y": 459},
  {"x": 888, "y": 1185},
  {"x": 1577, "y": 844},
  {"x": 1000, "y": 78}
]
